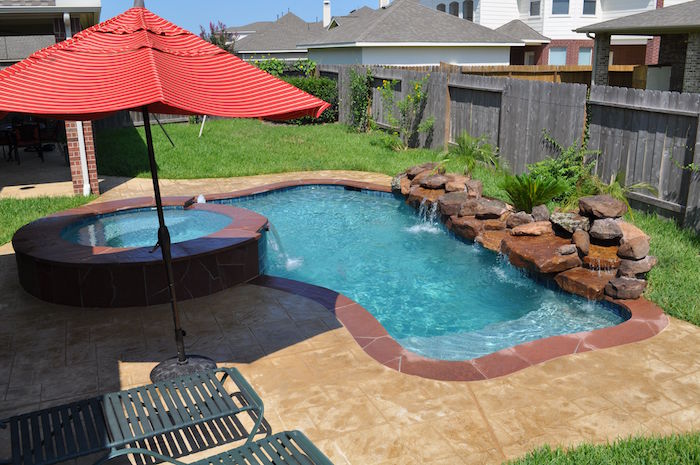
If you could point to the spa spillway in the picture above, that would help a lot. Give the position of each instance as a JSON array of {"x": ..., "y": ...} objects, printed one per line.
[{"x": 102, "y": 255}]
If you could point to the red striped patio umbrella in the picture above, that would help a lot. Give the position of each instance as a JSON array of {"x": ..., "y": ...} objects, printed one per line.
[{"x": 139, "y": 61}]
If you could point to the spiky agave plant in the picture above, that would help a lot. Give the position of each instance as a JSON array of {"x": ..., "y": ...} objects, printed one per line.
[{"x": 526, "y": 191}]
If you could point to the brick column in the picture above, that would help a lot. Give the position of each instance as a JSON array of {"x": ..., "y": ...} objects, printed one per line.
[
  {"x": 691, "y": 76},
  {"x": 74, "y": 157},
  {"x": 601, "y": 59}
]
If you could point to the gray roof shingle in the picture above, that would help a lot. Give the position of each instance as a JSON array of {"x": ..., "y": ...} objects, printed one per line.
[
  {"x": 684, "y": 17},
  {"x": 407, "y": 21},
  {"x": 283, "y": 34},
  {"x": 521, "y": 31}
]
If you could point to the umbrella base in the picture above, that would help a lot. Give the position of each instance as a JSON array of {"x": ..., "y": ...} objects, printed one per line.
[{"x": 172, "y": 368}]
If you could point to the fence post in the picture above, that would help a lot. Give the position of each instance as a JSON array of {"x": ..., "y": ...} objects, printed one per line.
[{"x": 691, "y": 217}]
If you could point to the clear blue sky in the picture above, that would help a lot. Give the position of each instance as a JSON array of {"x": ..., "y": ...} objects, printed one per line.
[{"x": 191, "y": 13}]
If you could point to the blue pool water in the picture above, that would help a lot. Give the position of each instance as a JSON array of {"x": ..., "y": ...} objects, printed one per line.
[
  {"x": 438, "y": 296},
  {"x": 139, "y": 228}
]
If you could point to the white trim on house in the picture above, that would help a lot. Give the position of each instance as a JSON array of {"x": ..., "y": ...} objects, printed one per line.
[
  {"x": 295, "y": 50},
  {"x": 413, "y": 44}
]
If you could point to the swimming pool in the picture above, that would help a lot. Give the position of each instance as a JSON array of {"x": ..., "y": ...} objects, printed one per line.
[
  {"x": 436, "y": 295},
  {"x": 139, "y": 227}
]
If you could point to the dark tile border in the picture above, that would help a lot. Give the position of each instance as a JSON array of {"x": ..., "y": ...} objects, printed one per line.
[{"x": 646, "y": 320}]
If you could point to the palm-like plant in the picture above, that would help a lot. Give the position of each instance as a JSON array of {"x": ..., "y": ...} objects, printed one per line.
[
  {"x": 526, "y": 191},
  {"x": 472, "y": 149}
]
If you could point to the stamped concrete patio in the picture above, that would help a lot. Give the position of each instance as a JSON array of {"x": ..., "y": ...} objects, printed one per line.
[{"x": 313, "y": 376}]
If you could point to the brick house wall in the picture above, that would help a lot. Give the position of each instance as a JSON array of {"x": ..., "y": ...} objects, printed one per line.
[
  {"x": 622, "y": 54},
  {"x": 672, "y": 52},
  {"x": 691, "y": 78}
]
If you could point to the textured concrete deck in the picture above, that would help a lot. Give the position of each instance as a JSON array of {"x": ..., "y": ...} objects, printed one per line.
[{"x": 313, "y": 376}]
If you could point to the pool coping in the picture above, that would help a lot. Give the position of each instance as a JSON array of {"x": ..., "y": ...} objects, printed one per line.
[{"x": 646, "y": 320}]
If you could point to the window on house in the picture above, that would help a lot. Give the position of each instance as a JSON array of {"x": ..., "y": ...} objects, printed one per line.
[
  {"x": 534, "y": 7},
  {"x": 468, "y": 10},
  {"x": 589, "y": 7},
  {"x": 529, "y": 58},
  {"x": 441, "y": 7},
  {"x": 585, "y": 55},
  {"x": 557, "y": 56},
  {"x": 454, "y": 8},
  {"x": 560, "y": 7}
]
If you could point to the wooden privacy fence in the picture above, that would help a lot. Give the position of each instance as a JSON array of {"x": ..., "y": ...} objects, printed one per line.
[
  {"x": 511, "y": 113},
  {"x": 649, "y": 136},
  {"x": 646, "y": 135},
  {"x": 124, "y": 119}
]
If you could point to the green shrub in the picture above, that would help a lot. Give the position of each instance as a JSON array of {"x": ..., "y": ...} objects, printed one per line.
[
  {"x": 472, "y": 150},
  {"x": 322, "y": 87},
  {"x": 271, "y": 66},
  {"x": 572, "y": 166},
  {"x": 410, "y": 109},
  {"x": 360, "y": 99},
  {"x": 527, "y": 191}
]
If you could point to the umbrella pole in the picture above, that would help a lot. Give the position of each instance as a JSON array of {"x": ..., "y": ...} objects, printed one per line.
[{"x": 182, "y": 364}]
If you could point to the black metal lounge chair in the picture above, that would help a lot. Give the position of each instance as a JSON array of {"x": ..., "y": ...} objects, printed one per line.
[{"x": 172, "y": 417}]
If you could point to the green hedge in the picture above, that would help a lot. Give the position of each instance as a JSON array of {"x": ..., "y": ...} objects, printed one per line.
[{"x": 322, "y": 87}]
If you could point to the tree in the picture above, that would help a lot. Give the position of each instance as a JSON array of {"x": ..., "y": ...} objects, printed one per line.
[{"x": 218, "y": 36}]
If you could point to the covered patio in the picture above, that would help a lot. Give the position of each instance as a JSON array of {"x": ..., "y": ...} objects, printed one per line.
[{"x": 679, "y": 29}]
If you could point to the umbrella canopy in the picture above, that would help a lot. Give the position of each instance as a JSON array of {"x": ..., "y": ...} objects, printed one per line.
[{"x": 139, "y": 59}]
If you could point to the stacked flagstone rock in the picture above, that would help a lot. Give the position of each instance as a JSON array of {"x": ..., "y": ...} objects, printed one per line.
[{"x": 592, "y": 253}]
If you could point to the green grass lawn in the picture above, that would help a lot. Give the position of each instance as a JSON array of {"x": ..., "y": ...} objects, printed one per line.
[
  {"x": 14, "y": 213},
  {"x": 673, "y": 450},
  {"x": 231, "y": 148}
]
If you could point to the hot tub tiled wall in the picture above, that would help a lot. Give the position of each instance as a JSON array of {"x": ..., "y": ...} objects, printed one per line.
[{"x": 62, "y": 272}]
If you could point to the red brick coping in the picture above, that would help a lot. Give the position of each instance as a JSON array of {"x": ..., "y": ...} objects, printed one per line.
[
  {"x": 63, "y": 272},
  {"x": 646, "y": 320}
]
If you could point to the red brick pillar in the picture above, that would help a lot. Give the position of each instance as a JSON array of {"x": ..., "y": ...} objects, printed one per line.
[
  {"x": 653, "y": 46},
  {"x": 76, "y": 169}
]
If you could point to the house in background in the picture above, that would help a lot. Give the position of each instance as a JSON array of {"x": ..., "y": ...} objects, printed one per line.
[
  {"x": 407, "y": 33},
  {"x": 535, "y": 43},
  {"x": 27, "y": 26},
  {"x": 557, "y": 19},
  {"x": 30, "y": 25},
  {"x": 275, "y": 39},
  {"x": 677, "y": 26}
]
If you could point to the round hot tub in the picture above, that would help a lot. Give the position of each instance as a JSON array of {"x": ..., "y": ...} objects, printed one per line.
[{"x": 102, "y": 255}]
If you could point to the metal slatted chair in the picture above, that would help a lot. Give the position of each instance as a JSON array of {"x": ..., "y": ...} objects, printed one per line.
[{"x": 125, "y": 422}]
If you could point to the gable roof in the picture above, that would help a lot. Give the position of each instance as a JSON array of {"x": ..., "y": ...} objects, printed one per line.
[
  {"x": 407, "y": 22},
  {"x": 281, "y": 35},
  {"x": 353, "y": 15},
  {"x": 257, "y": 26},
  {"x": 684, "y": 17},
  {"x": 521, "y": 31}
]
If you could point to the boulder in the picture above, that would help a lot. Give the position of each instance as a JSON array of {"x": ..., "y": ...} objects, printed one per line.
[
  {"x": 405, "y": 186},
  {"x": 451, "y": 203},
  {"x": 601, "y": 258},
  {"x": 416, "y": 170},
  {"x": 475, "y": 188},
  {"x": 491, "y": 239},
  {"x": 436, "y": 181},
  {"x": 570, "y": 222},
  {"x": 625, "y": 288},
  {"x": 539, "y": 254},
  {"x": 601, "y": 206},
  {"x": 586, "y": 283},
  {"x": 582, "y": 241},
  {"x": 418, "y": 195},
  {"x": 454, "y": 186},
  {"x": 456, "y": 183},
  {"x": 634, "y": 268},
  {"x": 396, "y": 182},
  {"x": 467, "y": 227},
  {"x": 540, "y": 213},
  {"x": 630, "y": 231},
  {"x": 635, "y": 248},
  {"x": 469, "y": 207},
  {"x": 490, "y": 209},
  {"x": 518, "y": 219},
  {"x": 538, "y": 228},
  {"x": 494, "y": 225},
  {"x": 566, "y": 249},
  {"x": 605, "y": 229},
  {"x": 420, "y": 177}
]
